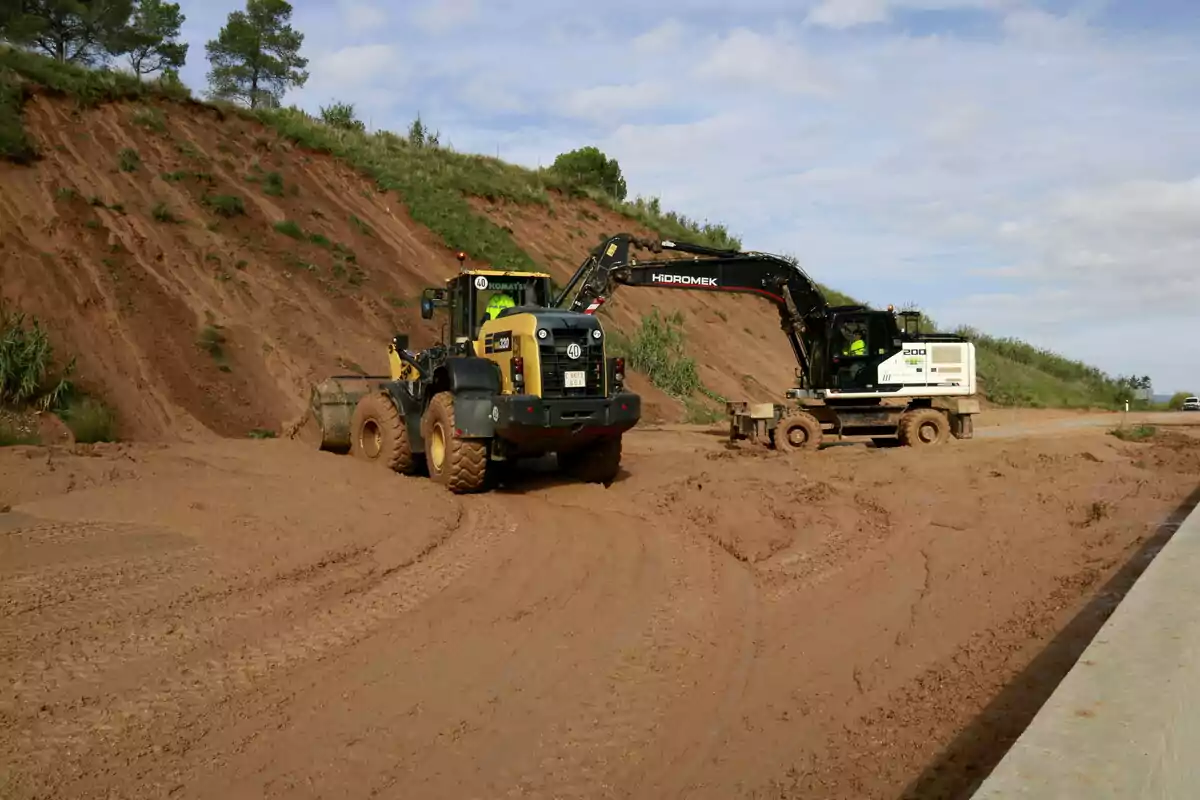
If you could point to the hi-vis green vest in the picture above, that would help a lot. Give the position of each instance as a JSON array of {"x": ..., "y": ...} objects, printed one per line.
[{"x": 498, "y": 303}]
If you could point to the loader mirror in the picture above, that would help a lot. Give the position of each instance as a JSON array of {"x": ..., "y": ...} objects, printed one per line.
[{"x": 426, "y": 308}]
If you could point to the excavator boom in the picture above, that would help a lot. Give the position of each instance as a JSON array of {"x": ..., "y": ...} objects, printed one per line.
[{"x": 801, "y": 304}]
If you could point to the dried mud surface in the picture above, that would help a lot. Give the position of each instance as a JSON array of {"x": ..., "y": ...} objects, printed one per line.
[{"x": 255, "y": 619}]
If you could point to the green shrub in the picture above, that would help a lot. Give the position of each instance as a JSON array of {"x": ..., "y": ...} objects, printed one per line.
[
  {"x": 14, "y": 142},
  {"x": 289, "y": 228},
  {"x": 27, "y": 364},
  {"x": 341, "y": 115},
  {"x": 89, "y": 420},
  {"x": 212, "y": 341},
  {"x": 656, "y": 350},
  {"x": 701, "y": 413},
  {"x": 162, "y": 213},
  {"x": 273, "y": 184},
  {"x": 1138, "y": 433},
  {"x": 1176, "y": 401},
  {"x": 128, "y": 160},
  {"x": 149, "y": 117},
  {"x": 225, "y": 205}
]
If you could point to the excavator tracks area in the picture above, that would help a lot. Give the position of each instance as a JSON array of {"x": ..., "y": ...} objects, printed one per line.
[{"x": 259, "y": 619}]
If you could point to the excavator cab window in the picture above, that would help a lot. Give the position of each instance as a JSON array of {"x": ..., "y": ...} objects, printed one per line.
[{"x": 851, "y": 337}]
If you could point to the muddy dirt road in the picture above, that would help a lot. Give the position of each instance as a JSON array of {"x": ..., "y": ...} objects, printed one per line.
[{"x": 254, "y": 619}]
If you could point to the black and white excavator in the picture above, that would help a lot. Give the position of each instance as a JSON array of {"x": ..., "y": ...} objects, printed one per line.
[{"x": 860, "y": 371}]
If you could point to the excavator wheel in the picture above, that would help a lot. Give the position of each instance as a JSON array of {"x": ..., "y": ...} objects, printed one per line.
[
  {"x": 596, "y": 463},
  {"x": 921, "y": 427},
  {"x": 460, "y": 464},
  {"x": 798, "y": 430},
  {"x": 378, "y": 435}
]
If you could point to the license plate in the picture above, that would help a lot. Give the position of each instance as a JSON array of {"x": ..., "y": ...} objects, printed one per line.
[{"x": 576, "y": 379}]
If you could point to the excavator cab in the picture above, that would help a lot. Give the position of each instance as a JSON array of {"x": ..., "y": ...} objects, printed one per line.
[{"x": 861, "y": 339}]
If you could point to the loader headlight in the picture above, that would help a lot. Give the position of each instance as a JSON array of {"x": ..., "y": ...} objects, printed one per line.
[
  {"x": 596, "y": 333},
  {"x": 543, "y": 333}
]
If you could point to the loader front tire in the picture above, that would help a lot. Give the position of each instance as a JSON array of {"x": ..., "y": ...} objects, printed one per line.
[
  {"x": 797, "y": 430},
  {"x": 378, "y": 434},
  {"x": 459, "y": 464},
  {"x": 922, "y": 427},
  {"x": 597, "y": 463}
]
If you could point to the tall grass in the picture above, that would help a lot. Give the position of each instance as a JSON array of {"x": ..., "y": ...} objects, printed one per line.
[
  {"x": 89, "y": 419},
  {"x": 27, "y": 364},
  {"x": 657, "y": 350}
]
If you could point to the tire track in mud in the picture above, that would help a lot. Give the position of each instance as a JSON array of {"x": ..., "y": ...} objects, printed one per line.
[
  {"x": 160, "y": 609},
  {"x": 603, "y": 746},
  {"x": 165, "y": 703}
]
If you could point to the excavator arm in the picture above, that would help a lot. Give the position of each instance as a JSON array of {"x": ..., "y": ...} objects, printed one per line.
[{"x": 801, "y": 305}]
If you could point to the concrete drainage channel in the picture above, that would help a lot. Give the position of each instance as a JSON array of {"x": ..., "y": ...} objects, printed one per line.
[{"x": 1125, "y": 721}]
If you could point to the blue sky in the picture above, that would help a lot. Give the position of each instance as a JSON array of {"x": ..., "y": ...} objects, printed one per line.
[{"x": 1028, "y": 167}]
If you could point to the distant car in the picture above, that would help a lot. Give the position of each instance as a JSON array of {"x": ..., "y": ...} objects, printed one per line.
[{"x": 1191, "y": 404}]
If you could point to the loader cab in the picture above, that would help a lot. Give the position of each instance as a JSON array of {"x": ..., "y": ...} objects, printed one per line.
[{"x": 468, "y": 294}]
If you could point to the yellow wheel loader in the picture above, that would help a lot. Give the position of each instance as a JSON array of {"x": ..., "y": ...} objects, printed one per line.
[{"x": 514, "y": 379}]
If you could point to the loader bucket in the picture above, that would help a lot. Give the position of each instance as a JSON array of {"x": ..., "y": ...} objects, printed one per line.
[{"x": 332, "y": 405}]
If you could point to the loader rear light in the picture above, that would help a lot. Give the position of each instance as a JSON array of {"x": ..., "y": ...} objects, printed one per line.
[
  {"x": 619, "y": 369},
  {"x": 518, "y": 370}
]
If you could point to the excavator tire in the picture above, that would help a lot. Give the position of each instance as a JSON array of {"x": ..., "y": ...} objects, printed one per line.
[
  {"x": 922, "y": 427},
  {"x": 597, "y": 463},
  {"x": 797, "y": 430},
  {"x": 459, "y": 464},
  {"x": 378, "y": 435}
]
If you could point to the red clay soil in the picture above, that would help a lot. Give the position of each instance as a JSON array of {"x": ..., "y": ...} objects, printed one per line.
[
  {"x": 89, "y": 248},
  {"x": 256, "y": 619}
]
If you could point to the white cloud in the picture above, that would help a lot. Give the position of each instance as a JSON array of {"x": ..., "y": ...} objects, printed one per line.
[
  {"x": 610, "y": 103},
  {"x": 355, "y": 66},
  {"x": 747, "y": 58},
  {"x": 1034, "y": 26},
  {"x": 359, "y": 16},
  {"x": 848, "y": 13},
  {"x": 664, "y": 37},
  {"x": 442, "y": 16},
  {"x": 489, "y": 94},
  {"x": 1122, "y": 248}
]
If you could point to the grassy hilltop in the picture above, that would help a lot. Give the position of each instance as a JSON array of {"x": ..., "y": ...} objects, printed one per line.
[{"x": 442, "y": 189}]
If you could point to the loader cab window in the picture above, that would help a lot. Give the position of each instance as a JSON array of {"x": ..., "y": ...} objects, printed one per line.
[{"x": 489, "y": 295}]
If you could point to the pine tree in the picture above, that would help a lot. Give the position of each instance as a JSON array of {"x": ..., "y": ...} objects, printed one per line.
[
  {"x": 256, "y": 56},
  {"x": 87, "y": 32},
  {"x": 152, "y": 40}
]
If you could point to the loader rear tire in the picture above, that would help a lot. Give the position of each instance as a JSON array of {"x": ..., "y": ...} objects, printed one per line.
[
  {"x": 797, "y": 430},
  {"x": 378, "y": 434},
  {"x": 922, "y": 427},
  {"x": 459, "y": 464},
  {"x": 597, "y": 463}
]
